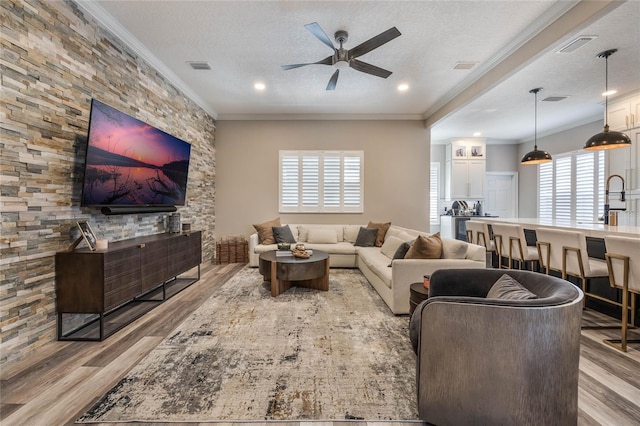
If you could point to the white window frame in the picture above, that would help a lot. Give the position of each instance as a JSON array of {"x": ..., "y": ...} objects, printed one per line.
[
  {"x": 434, "y": 194},
  {"x": 308, "y": 189},
  {"x": 564, "y": 197}
]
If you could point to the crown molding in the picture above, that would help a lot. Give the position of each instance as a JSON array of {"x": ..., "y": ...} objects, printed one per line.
[
  {"x": 129, "y": 40},
  {"x": 319, "y": 117}
]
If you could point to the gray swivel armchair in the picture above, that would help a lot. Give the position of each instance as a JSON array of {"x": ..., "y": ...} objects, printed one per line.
[{"x": 495, "y": 361}]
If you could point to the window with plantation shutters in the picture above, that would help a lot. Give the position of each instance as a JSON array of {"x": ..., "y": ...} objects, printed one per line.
[
  {"x": 434, "y": 193},
  {"x": 321, "y": 181},
  {"x": 571, "y": 187},
  {"x": 545, "y": 191},
  {"x": 563, "y": 186}
]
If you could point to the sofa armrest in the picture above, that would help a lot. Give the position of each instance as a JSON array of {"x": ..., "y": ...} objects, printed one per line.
[
  {"x": 253, "y": 242},
  {"x": 413, "y": 270},
  {"x": 476, "y": 252}
]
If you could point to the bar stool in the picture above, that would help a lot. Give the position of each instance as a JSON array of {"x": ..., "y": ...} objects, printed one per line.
[
  {"x": 511, "y": 245},
  {"x": 624, "y": 273},
  {"x": 478, "y": 233},
  {"x": 566, "y": 252}
]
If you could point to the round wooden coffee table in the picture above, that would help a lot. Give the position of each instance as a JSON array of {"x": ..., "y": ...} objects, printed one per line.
[
  {"x": 283, "y": 272},
  {"x": 418, "y": 293}
]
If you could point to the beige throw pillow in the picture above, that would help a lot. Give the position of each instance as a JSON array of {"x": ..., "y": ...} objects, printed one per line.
[
  {"x": 426, "y": 247},
  {"x": 382, "y": 231},
  {"x": 454, "y": 249},
  {"x": 390, "y": 246},
  {"x": 265, "y": 231}
]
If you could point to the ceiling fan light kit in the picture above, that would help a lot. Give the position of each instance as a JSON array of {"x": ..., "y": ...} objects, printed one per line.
[
  {"x": 342, "y": 57},
  {"x": 536, "y": 156},
  {"x": 607, "y": 139}
]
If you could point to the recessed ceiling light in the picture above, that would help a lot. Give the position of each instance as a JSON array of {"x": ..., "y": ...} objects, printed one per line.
[
  {"x": 476, "y": 134},
  {"x": 609, "y": 92},
  {"x": 259, "y": 86},
  {"x": 403, "y": 87}
]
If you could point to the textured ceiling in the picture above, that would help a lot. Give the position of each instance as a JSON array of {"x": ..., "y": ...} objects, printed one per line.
[{"x": 246, "y": 42}]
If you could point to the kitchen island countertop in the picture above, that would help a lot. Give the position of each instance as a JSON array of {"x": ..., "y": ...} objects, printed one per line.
[{"x": 590, "y": 229}]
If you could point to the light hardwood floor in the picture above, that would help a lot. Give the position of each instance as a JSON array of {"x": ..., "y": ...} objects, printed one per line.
[{"x": 63, "y": 379}]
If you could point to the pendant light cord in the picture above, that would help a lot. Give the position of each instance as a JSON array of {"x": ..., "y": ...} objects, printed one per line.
[
  {"x": 535, "y": 121},
  {"x": 606, "y": 90}
]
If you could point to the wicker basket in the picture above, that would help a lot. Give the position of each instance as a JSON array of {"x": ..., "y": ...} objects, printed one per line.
[{"x": 232, "y": 249}]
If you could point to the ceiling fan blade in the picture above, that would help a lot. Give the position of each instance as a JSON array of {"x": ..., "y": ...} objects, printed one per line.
[
  {"x": 326, "y": 61},
  {"x": 333, "y": 81},
  {"x": 317, "y": 31},
  {"x": 369, "y": 69},
  {"x": 374, "y": 42}
]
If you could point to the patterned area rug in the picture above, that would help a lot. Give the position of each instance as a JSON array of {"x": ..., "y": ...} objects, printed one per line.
[{"x": 244, "y": 355}]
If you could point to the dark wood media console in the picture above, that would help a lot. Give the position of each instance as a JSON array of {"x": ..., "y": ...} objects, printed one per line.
[{"x": 118, "y": 285}]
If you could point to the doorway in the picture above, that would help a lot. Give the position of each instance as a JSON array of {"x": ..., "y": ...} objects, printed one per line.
[{"x": 502, "y": 194}]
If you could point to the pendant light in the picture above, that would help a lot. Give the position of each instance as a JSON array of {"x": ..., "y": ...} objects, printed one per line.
[
  {"x": 607, "y": 139},
  {"x": 536, "y": 156}
]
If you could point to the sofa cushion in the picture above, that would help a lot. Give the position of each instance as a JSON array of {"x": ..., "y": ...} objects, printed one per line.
[
  {"x": 454, "y": 249},
  {"x": 509, "y": 288},
  {"x": 342, "y": 247},
  {"x": 425, "y": 247},
  {"x": 366, "y": 237},
  {"x": 322, "y": 236},
  {"x": 265, "y": 231},
  {"x": 376, "y": 262},
  {"x": 303, "y": 231},
  {"x": 351, "y": 233},
  {"x": 382, "y": 231},
  {"x": 390, "y": 246},
  {"x": 282, "y": 234}
]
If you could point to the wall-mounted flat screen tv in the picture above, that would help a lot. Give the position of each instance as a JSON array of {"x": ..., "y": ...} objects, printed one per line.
[{"x": 131, "y": 163}]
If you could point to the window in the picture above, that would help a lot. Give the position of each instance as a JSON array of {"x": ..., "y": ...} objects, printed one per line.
[
  {"x": 434, "y": 193},
  {"x": 321, "y": 181},
  {"x": 571, "y": 187}
]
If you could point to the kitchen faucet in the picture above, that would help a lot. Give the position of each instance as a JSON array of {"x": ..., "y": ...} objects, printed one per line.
[{"x": 606, "y": 198}]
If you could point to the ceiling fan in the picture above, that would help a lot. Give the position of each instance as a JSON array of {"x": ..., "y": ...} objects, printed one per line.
[{"x": 342, "y": 57}]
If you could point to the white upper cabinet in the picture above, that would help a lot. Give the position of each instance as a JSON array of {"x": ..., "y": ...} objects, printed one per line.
[
  {"x": 466, "y": 169},
  {"x": 624, "y": 114}
]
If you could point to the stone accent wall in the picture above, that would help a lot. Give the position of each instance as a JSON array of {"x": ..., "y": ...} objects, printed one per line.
[{"x": 55, "y": 59}]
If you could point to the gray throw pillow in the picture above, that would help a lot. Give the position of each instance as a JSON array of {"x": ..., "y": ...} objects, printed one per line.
[
  {"x": 283, "y": 234},
  {"x": 403, "y": 249},
  {"x": 508, "y": 288},
  {"x": 366, "y": 237}
]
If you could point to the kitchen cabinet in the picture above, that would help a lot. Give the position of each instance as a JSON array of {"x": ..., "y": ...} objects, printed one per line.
[
  {"x": 624, "y": 114},
  {"x": 465, "y": 169},
  {"x": 466, "y": 179}
]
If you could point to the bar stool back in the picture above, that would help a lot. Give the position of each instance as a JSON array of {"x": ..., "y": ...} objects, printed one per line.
[
  {"x": 478, "y": 233},
  {"x": 623, "y": 262},
  {"x": 566, "y": 252},
  {"x": 511, "y": 244}
]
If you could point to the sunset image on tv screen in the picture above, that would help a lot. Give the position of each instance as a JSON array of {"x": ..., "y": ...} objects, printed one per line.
[{"x": 130, "y": 162}]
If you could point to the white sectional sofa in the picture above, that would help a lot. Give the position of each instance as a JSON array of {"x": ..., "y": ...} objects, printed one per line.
[{"x": 391, "y": 282}]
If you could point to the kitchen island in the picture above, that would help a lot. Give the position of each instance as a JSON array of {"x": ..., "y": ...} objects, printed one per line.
[{"x": 590, "y": 229}]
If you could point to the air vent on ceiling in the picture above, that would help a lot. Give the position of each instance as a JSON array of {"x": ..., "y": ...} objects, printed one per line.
[
  {"x": 464, "y": 65},
  {"x": 199, "y": 65},
  {"x": 554, "y": 98},
  {"x": 576, "y": 44}
]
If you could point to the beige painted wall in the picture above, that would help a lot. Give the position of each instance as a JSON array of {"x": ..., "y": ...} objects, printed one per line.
[{"x": 396, "y": 170}]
